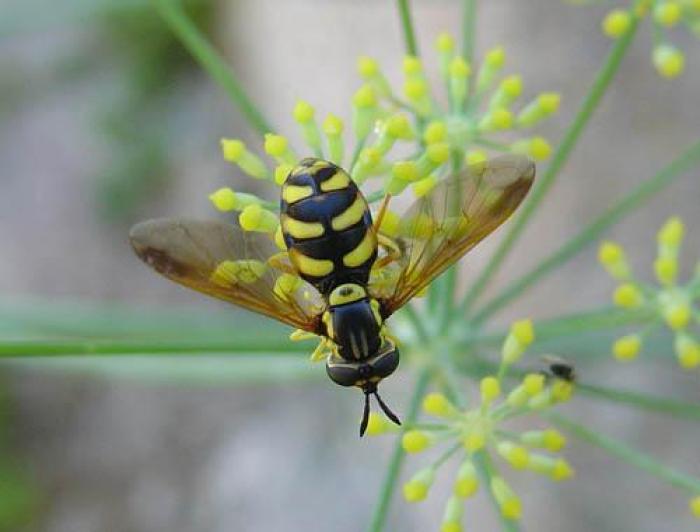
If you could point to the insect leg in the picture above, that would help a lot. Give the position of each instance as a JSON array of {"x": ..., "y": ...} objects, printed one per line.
[{"x": 382, "y": 211}]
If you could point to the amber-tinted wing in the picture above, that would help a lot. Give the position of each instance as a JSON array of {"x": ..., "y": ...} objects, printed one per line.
[
  {"x": 441, "y": 227},
  {"x": 225, "y": 262}
]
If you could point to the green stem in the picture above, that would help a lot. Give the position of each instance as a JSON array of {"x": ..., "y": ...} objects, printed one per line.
[
  {"x": 211, "y": 60},
  {"x": 614, "y": 214},
  {"x": 392, "y": 473},
  {"x": 41, "y": 348},
  {"x": 641, "y": 400},
  {"x": 416, "y": 320},
  {"x": 581, "y": 322},
  {"x": 626, "y": 453},
  {"x": 544, "y": 183},
  {"x": 486, "y": 470},
  {"x": 468, "y": 29},
  {"x": 407, "y": 26}
]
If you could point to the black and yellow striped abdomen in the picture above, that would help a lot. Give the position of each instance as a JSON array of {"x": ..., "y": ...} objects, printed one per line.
[{"x": 327, "y": 226}]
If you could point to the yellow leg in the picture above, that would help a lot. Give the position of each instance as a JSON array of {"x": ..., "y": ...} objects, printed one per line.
[
  {"x": 382, "y": 211},
  {"x": 322, "y": 350},
  {"x": 280, "y": 261},
  {"x": 393, "y": 252}
]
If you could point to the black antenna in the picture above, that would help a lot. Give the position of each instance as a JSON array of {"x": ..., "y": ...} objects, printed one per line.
[
  {"x": 365, "y": 416},
  {"x": 387, "y": 410}
]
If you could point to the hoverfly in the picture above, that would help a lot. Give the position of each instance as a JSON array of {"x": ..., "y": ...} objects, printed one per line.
[{"x": 341, "y": 276}]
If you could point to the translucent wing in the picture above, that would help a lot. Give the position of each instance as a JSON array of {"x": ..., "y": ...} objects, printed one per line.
[
  {"x": 442, "y": 226},
  {"x": 225, "y": 262}
]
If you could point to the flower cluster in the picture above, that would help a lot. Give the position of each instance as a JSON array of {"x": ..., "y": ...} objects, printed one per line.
[
  {"x": 668, "y": 60},
  {"x": 481, "y": 107},
  {"x": 479, "y": 433},
  {"x": 671, "y": 303}
]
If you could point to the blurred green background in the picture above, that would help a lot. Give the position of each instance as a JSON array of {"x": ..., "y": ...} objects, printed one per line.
[{"x": 105, "y": 120}]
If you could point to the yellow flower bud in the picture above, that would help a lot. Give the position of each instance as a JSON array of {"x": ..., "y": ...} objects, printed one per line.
[
  {"x": 667, "y": 13},
  {"x": 364, "y": 97},
  {"x": 533, "y": 383},
  {"x": 677, "y": 313},
  {"x": 628, "y": 295},
  {"x": 424, "y": 186},
  {"x": 496, "y": 57},
  {"x": 406, "y": 170},
  {"x": 416, "y": 441},
  {"x": 436, "y": 404},
  {"x": 562, "y": 470},
  {"x": 412, "y": 65},
  {"x": 515, "y": 455},
  {"x": 399, "y": 127},
  {"x": 445, "y": 42},
  {"x": 671, "y": 233},
  {"x": 627, "y": 347},
  {"x": 224, "y": 199},
  {"x": 507, "y": 500},
  {"x": 562, "y": 390},
  {"x": 612, "y": 257},
  {"x": 474, "y": 441},
  {"x": 255, "y": 218},
  {"x": 616, "y": 23},
  {"x": 666, "y": 269},
  {"x": 490, "y": 389},
  {"x": 668, "y": 60},
  {"x": 232, "y": 149},
  {"x": 303, "y": 112},
  {"x": 377, "y": 424},
  {"x": 367, "y": 67},
  {"x": 416, "y": 489},
  {"x": 694, "y": 505},
  {"x": 549, "y": 102},
  {"x": 452, "y": 516},
  {"x": 687, "y": 350},
  {"x": 436, "y": 131},
  {"x": 459, "y": 68},
  {"x": 467, "y": 482}
]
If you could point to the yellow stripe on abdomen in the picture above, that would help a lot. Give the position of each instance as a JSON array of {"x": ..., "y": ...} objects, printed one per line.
[
  {"x": 350, "y": 216},
  {"x": 338, "y": 181},
  {"x": 310, "y": 266},
  {"x": 362, "y": 252},
  {"x": 293, "y": 193},
  {"x": 298, "y": 229}
]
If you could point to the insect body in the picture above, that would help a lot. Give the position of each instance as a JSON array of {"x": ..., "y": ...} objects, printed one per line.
[
  {"x": 327, "y": 227},
  {"x": 340, "y": 276},
  {"x": 560, "y": 368}
]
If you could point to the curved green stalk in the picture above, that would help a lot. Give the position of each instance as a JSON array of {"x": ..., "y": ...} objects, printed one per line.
[
  {"x": 487, "y": 471},
  {"x": 544, "y": 183},
  {"x": 197, "y": 44},
  {"x": 626, "y": 453},
  {"x": 392, "y": 473},
  {"x": 567, "y": 325},
  {"x": 614, "y": 214},
  {"x": 642, "y": 401},
  {"x": 40, "y": 348},
  {"x": 409, "y": 35},
  {"x": 468, "y": 29}
]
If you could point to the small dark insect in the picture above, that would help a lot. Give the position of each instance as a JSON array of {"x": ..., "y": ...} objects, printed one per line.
[
  {"x": 560, "y": 368},
  {"x": 340, "y": 275}
]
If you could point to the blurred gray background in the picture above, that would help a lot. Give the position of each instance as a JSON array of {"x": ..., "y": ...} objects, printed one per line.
[{"x": 104, "y": 120}]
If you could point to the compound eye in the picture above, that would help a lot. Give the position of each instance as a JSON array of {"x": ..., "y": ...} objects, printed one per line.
[
  {"x": 386, "y": 363},
  {"x": 344, "y": 374}
]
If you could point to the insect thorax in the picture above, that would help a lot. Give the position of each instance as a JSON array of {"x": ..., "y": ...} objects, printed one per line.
[
  {"x": 353, "y": 322},
  {"x": 327, "y": 226}
]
